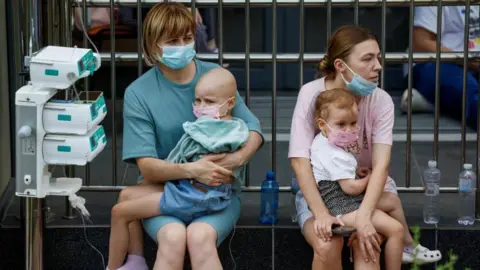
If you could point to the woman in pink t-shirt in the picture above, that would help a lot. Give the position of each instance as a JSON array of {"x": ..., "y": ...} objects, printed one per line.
[{"x": 352, "y": 61}]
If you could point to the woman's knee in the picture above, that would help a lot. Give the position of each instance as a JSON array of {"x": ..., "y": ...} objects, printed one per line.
[
  {"x": 172, "y": 237},
  {"x": 393, "y": 200},
  {"x": 201, "y": 238},
  {"x": 328, "y": 251}
]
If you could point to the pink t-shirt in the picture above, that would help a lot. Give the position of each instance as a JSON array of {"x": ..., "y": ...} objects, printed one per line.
[{"x": 375, "y": 119}]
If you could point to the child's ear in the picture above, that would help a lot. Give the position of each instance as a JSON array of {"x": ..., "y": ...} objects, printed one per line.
[
  {"x": 321, "y": 125},
  {"x": 231, "y": 102}
]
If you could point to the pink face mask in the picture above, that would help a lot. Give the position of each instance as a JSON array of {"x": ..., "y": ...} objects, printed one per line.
[
  {"x": 342, "y": 138},
  {"x": 210, "y": 110}
]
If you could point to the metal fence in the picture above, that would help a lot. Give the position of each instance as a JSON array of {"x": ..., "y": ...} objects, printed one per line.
[
  {"x": 59, "y": 25},
  {"x": 301, "y": 57}
]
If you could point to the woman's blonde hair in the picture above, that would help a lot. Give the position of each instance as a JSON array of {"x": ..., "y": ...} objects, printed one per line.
[{"x": 165, "y": 20}]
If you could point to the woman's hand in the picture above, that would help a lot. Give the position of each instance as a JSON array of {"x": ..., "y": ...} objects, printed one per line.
[
  {"x": 207, "y": 172},
  {"x": 368, "y": 239},
  {"x": 322, "y": 225},
  {"x": 229, "y": 161},
  {"x": 363, "y": 171}
]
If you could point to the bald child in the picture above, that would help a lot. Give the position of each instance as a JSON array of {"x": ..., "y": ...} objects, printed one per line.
[{"x": 215, "y": 94}]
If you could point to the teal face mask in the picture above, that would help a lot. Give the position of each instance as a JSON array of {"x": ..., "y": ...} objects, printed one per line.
[
  {"x": 359, "y": 86},
  {"x": 177, "y": 57}
]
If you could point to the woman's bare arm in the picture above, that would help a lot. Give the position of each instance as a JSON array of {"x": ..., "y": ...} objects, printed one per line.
[
  {"x": 380, "y": 164},
  {"x": 308, "y": 185}
]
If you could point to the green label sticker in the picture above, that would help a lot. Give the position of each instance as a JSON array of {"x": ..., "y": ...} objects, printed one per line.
[
  {"x": 64, "y": 117},
  {"x": 51, "y": 72},
  {"x": 64, "y": 148}
]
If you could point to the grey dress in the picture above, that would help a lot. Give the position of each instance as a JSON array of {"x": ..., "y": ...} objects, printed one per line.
[{"x": 336, "y": 200}]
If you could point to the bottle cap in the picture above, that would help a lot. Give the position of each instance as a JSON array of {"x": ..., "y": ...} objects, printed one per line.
[
  {"x": 467, "y": 166},
  {"x": 270, "y": 175},
  {"x": 432, "y": 164}
]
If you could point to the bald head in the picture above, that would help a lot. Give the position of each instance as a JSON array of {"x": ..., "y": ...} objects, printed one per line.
[
  {"x": 217, "y": 87},
  {"x": 218, "y": 82}
]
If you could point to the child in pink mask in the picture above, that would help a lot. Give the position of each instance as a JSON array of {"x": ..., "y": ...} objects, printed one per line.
[
  {"x": 214, "y": 131},
  {"x": 335, "y": 169}
]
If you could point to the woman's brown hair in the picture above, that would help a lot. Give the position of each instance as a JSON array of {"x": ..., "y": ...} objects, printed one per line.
[
  {"x": 165, "y": 20},
  {"x": 340, "y": 46}
]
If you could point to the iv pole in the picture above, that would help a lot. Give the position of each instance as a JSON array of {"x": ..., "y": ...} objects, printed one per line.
[{"x": 34, "y": 215}]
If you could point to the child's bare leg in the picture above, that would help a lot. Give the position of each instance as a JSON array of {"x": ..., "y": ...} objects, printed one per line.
[
  {"x": 391, "y": 204},
  {"x": 125, "y": 212},
  {"x": 392, "y": 230},
  {"x": 135, "y": 229}
]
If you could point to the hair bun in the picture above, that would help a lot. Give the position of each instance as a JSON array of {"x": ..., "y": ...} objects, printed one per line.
[{"x": 324, "y": 65}]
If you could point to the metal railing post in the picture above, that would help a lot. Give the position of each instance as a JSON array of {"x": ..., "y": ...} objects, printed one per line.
[
  {"x": 66, "y": 40},
  {"x": 34, "y": 216}
]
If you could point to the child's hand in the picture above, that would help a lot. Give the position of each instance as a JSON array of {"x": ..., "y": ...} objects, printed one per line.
[{"x": 363, "y": 171}]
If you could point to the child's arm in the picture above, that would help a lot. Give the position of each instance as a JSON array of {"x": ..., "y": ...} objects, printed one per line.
[{"x": 353, "y": 186}]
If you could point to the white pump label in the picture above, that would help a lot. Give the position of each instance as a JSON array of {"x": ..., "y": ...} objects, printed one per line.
[{"x": 28, "y": 145}]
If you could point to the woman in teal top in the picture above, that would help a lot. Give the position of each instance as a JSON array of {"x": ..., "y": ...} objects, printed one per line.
[{"x": 155, "y": 107}]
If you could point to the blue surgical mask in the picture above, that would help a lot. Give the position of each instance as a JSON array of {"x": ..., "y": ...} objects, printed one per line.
[
  {"x": 358, "y": 85},
  {"x": 177, "y": 57}
]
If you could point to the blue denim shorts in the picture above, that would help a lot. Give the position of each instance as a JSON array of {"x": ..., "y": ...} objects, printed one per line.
[
  {"x": 222, "y": 221},
  {"x": 188, "y": 200}
]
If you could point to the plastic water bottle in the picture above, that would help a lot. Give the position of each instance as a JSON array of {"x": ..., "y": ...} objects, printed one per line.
[
  {"x": 431, "y": 179},
  {"x": 466, "y": 192},
  {"x": 269, "y": 200},
  {"x": 294, "y": 188}
]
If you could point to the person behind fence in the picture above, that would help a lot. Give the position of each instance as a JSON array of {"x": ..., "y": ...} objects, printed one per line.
[
  {"x": 334, "y": 168},
  {"x": 156, "y": 106},
  {"x": 214, "y": 131},
  {"x": 351, "y": 62},
  {"x": 452, "y": 38}
]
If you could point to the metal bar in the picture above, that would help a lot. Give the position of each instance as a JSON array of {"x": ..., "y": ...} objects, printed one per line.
[
  {"x": 34, "y": 234},
  {"x": 220, "y": 32},
  {"x": 122, "y": 57},
  {"x": 247, "y": 72},
  {"x": 113, "y": 88},
  {"x": 69, "y": 213},
  {"x": 274, "y": 86},
  {"x": 437, "y": 81},
  {"x": 301, "y": 43},
  {"x": 86, "y": 81},
  {"x": 383, "y": 43},
  {"x": 282, "y": 3},
  {"x": 66, "y": 40},
  {"x": 34, "y": 216},
  {"x": 477, "y": 195},
  {"x": 355, "y": 12},
  {"x": 5, "y": 109},
  {"x": 194, "y": 9},
  {"x": 257, "y": 189},
  {"x": 329, "y": 22},
  {"x": 139, "y": 39},
  {"x": 410, "y": 79},
  {"x": 464, "y": 81}
]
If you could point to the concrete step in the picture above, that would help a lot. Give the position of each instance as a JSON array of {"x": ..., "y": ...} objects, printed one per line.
[{"x": 260, "y": 248}]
